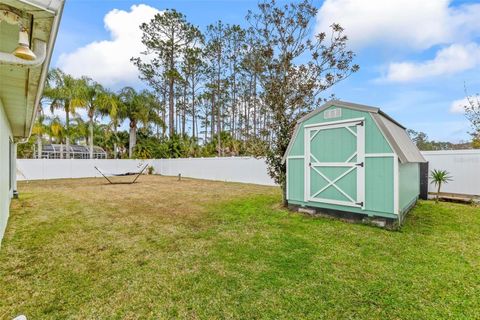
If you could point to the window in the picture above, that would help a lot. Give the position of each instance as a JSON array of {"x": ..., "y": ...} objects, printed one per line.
[{"x": 332, "y": 113}]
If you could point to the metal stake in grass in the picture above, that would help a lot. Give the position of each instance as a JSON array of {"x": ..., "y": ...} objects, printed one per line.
[{"x": 179, "y": 177}]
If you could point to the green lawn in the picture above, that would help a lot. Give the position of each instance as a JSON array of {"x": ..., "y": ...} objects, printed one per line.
[{"x": 79, "y": 249}]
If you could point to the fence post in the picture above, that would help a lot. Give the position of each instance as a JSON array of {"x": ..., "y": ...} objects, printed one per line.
[{"x": 424, "y": 181}]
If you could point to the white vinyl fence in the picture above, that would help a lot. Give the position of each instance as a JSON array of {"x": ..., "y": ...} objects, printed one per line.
[
  {"x": 235, "y": 169},
  {"x": 463, "y": 166},
  {"x": 44, "y": 169}
]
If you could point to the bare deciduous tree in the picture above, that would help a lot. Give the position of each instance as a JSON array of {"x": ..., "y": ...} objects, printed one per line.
[{"x": 296, "y": 69}]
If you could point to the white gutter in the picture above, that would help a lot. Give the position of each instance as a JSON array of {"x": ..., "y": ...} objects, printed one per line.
[
  {"x": 39, "y": 6},
  {"x": 43, "y": 77}
]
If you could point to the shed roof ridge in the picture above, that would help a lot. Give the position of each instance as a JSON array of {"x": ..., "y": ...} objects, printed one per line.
[{"x": 349, "y": 105}]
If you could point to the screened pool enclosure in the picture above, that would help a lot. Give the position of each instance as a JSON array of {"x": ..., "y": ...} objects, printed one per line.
[{"x": 59, "y": 151}]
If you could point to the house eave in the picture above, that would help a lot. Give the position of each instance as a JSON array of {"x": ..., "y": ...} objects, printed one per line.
[
  {"x": 46, "y": 65},
  {"x": 23, "y": 81}
]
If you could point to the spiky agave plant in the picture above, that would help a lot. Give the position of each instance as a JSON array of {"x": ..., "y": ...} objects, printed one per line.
[{"x": 438, "y": 178}]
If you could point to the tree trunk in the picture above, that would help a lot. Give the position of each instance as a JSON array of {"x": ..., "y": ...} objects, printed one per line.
[
  {"x": 212, "y": 116},
  {"x": 67, "y": 140},
  {"x": 90, "y": 132},
  {"x": 115, "y": 146},
  {"x": 177, "y": 116},
  {"x": 171, "y": 84},
  {"x": 205, "y": 132},
  {"x": 284, "y": 195},
  {"x": 39, "y": 147},
  {"x": 171, "y": 112},
  {"x": 132, "y": 138},
  {"x": 219, "y": 111},
  {"x": 219, "y": 131},
  {"x": 255, "y": 105},
  {"x": 164, "y": 117},
  {"x": 248, "y": 121},
  {"x": 193, "y": 107},
  {"x": 438, "y": 192},
  {"x": 234, "y": 105},
  {"x": 264, "y": 121},
  {"x": 184, "y": 111}
]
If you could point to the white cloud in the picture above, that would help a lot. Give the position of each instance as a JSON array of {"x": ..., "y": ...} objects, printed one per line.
[
  {"x": 401, "y": 23},
  {"x": 452, "y": 59},
  {"x": 108, "y": 61},
  {"x": 458, "y": 106}
]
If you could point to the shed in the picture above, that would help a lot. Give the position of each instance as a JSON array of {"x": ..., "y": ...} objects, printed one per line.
[{"x": 353, "y": 161}]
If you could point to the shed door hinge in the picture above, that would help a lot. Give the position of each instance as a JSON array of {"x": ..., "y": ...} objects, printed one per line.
[
  {"x": 359, "y": 204},
  {"x": 360, "y": 123},
  {"x": 359, "y": 164}
]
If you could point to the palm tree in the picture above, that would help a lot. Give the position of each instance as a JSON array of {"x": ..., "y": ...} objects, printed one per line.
[
  {"x": 439, "y": 177},
  {"x": 57, "y": 131},
  {"x": 102, "y": 136},
  {"x": 129, "y": 98},
  {"x": 65, "y": 93},
  {"x": 149, "y": 114},
  {"x": 138, "y": 108},
  {"x": 79, "y": 129},
  {"x": 89, "y": 95},
  {"x": 110, "y": 104},
  {"x": 39, "y": 129}
]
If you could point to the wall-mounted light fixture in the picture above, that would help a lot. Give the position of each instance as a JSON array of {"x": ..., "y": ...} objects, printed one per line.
[{"x": 23, "y": 50}]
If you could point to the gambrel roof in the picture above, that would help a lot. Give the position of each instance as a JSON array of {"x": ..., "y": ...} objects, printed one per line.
[{"x": 393, "y": 131}]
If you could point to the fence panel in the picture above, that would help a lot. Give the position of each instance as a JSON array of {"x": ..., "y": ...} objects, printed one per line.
[
  {"x": 234, "y": 169},
  {"x": 463, "y": 166},
  {"x": 44, "y": 169}
]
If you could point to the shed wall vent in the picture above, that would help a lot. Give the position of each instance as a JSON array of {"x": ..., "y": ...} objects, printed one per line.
[{"x": 332, "y": 113}]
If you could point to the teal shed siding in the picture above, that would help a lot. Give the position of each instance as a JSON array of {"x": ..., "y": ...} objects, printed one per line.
[
  {"x": 408, "y": 191},
  {"x": 375, "y": 142},
  {"x": 387, "y": 185},
  {"x": 379, "y": 177},
  {"x": 379, "y": 185},
  {"x": 295, "y": 179}
]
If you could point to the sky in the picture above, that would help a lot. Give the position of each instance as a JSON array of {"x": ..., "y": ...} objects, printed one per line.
[{"x": 416, "y": 57}]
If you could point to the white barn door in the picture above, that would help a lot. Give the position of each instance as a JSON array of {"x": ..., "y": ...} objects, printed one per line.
[{"x": 335, "y": 163}]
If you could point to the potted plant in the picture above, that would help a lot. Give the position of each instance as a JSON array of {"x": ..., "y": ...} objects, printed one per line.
[{"x": 150, "y": 170}]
